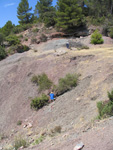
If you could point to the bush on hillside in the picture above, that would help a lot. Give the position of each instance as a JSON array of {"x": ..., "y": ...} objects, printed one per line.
[
  {"x": 19, "y": 142},
  {"x": 20, "y": 36},
  {"x": 12, "y": 40},
  {"x": 35, "y": 30},
  {"x": 19, "y": 48},
  {"x": 96, "y": 38},
  {"x": 26, "y": 39},
  {"x": 3, "y": 54},
  {"x": 111, "y": 32},
  {"x": 83, "y": 47},
  {"x": 19, "y": 122},
  {"x": 110, "y": 95},
  {"x": 57, "y": 129},
  {"x": 22, "y": 48},
  {"x": 1, "y": 38},
  {"x": 65, "y": 84},
  {"x": 39, "y": 140},
  {"x": 105, "y": 109},
  {"x": 21, "y": 28},
  {"x": 34, "y": 79},
  {"x": 42, "y": 81},
  {"x": 39, "y": 102}
]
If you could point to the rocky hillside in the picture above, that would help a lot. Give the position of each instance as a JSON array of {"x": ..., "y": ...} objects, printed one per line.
[{"x": 74, "y": 111}]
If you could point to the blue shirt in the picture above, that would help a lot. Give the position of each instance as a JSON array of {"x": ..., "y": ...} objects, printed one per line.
[{"x": 51, "y": 96}]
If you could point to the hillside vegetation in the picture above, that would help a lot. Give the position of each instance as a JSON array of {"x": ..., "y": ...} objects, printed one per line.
[{"x": 69, "y": 18}]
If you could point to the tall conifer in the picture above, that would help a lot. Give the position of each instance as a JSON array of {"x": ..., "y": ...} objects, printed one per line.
[
  {"x": 23, "y": 12},
  {"x": 69, "y": 14},
  {"x": 45, "y": 11}
]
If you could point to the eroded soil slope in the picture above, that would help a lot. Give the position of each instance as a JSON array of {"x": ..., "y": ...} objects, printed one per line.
[{"x": 73, "y": 111}]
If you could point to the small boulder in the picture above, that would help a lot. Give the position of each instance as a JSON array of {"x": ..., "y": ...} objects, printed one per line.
[
  {"x": 79, "y": 146},
  {"x": 29, "y": 125}
]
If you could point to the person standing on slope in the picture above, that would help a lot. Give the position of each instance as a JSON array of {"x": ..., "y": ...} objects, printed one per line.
[
  {"x": 67, "y": 44},
  {"x": 51, "y": 96}
]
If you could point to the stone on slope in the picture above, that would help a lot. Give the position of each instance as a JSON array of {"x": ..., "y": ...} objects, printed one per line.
[{"x": 79, "y": 146}]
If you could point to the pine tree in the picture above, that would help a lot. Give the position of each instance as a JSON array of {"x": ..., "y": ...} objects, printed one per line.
[
  {"x": 23, "y": 12},
  {"x": 1, "y": 39},
  {"x": 7, "y": 28},
  {"x": 46, "y": 12},
  {"x": 100, "y": 8},
  {"x": 69, "y": 14}
]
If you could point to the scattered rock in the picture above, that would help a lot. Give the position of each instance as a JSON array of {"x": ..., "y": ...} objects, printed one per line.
[
  {"x": 21, "y": 148},
  {"x": 43, "y": 133},
  {"x": 50, "y": 28},
  {"x": 29, "y": 125},
  {"x": 78, "y": 98},
  {"x": 60, "y": 51},
  {"x": 52, "y": 144},
  {"x": 79, "y": 146},
  {"x": 25, "y": 126},
  {"x": 65, "y": 135}
]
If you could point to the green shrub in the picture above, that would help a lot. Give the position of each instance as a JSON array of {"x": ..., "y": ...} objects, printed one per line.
[
  {"x": 19, "y": 122},
  {"x": 110, "y": 95},
  {"x": 35, "y": 30},
  {"x": 17, "y": 29},
  {"x": 42, "y": 81},
  {"x": 21, "y": 28},
  {"x": 83, "y": 47},
  {"x": 35, "y": 79},
  {"x": 111, "y": 32},
  {"x": 2, "y": 53},
  {"x": 105, "y": 109},
  {"x": 2, "y": 136},
  {"x": 26, "y": 26},
  {"x": 39, "y": 102},
  {"x": 13, "y": 40},
  {"x": 17, "y": 49},
  {"x": 39, "y": 140},
  {"x": 1, "y": 38},
  {"x": 19, "y": 142},
  {"x": 26, "y": 39},
  {"x": 57, "y": 129},
  {"x": 96, "y": 38},
  {"x": 22, "y": 48},
  {"x": 11, "y": 51},
  {"x": 65, "y": 84},
  {"x": 20, "y": 36}
]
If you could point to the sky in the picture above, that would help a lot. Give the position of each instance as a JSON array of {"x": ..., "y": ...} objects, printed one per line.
[{"x": 8, "y": 10}]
